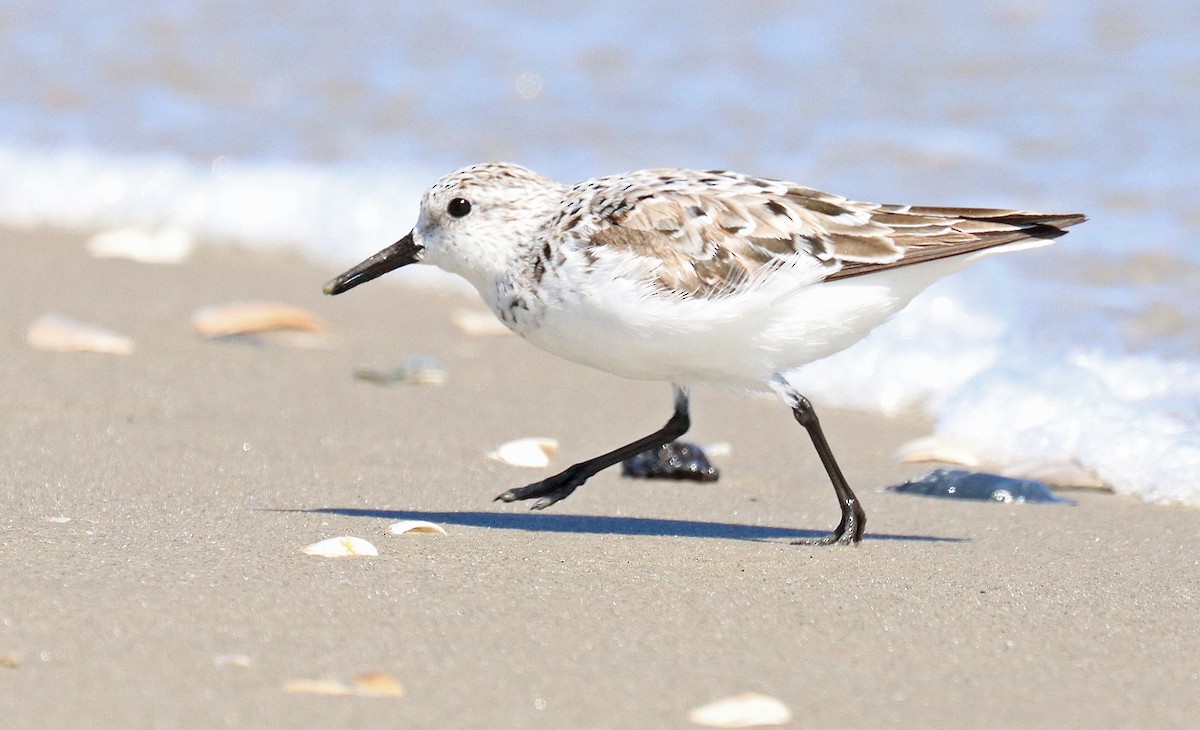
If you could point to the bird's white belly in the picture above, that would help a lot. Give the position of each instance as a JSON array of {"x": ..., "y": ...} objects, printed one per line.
[{"x": 741, "y": 339}]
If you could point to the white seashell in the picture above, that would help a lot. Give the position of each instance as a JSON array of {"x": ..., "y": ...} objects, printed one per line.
[
  {"x": 480, "y": 324},
  {"x": 240, "y": 319},
  {"x": 403, "y": 526},
  {"x": 61, "y": 520},
  {"x": 165, "y": 246},
  {"x": 1056, "y": 474},
  {"x": 239, "y": 661},
  {"x": 62, "y": 334},
  {"x": 748, "y": 709},
  {"x": 372, "y": 684},
  {"x": 533, "y": 452},
  {"x": 340, "y": 547},
  {"x": 936, "y": 448}
]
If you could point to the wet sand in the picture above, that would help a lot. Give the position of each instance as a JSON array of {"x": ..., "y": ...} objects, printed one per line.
[{"x": 193, "y": 471}]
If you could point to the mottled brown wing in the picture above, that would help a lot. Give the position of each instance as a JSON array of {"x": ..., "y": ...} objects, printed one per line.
[
  {"x": 706, "y": 240},
  {"x": 708, "y": 233}
]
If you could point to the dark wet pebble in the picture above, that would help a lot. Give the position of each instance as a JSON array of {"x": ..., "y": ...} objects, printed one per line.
[
  {"x": 962, "y": 484},
  {"x": 676, "y": 460}
]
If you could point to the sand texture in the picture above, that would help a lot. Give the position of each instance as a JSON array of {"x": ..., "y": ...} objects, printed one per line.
[{"x": 193, "y": 472}]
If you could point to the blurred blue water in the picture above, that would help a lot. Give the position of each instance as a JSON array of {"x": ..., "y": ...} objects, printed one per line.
[{"x": 317, "y": 125}]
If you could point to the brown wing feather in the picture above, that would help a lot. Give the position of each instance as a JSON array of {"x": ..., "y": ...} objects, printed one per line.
[
  {"x": 708, "y": 232},
  {"x": 926, "y": 233}
]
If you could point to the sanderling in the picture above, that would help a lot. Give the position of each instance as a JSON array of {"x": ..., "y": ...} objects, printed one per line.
[{"x": 692, "y": 277}]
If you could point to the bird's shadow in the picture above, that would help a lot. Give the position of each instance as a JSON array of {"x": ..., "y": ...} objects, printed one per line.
[{"x": 601, "y": 525}]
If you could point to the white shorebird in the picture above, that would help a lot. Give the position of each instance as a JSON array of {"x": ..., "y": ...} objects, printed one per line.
[{"x": 692, "y": 277}]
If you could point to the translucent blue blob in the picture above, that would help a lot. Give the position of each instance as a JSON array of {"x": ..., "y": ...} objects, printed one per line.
[{"x": 963, "y": 484}]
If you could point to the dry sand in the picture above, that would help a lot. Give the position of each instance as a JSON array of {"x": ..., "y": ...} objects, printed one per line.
[{"x": 193, "y": 471}]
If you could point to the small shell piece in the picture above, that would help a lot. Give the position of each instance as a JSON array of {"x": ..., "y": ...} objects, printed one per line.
[
  {"x": 241, "y": 319},
  {"x": 56, "y": 333},
  {"x": 403, "y": 526},
  {"x": 341, "y": 547},
  {"x": 238, "y": 661},
  {"x": 11, "y": 660},
  {"x": 479, "y": 324},
  {"x": 936, "y": 448},
  {"x": 166, "y": 246},
  {"x": 1058, "y": 474},
  {"x": 415, "y": 370},
  {"x": 371, "y": 684},
  {"x": 533, "y": 452},
  {"x": 748, "y": 709}
]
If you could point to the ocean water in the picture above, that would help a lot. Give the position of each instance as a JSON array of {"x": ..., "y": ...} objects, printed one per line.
[{"x": 316, "y": 126}]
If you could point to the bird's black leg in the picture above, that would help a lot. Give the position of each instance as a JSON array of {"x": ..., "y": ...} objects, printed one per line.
[
  {"x": 854, "y": 519},
  {"x": 552, "y": 489}
]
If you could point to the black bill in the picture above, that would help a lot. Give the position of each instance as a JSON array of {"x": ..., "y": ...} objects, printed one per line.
[{"x": 400, "y": 253}]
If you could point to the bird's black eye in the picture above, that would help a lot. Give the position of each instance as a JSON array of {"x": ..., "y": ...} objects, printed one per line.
[{"x": 459, "y": 207}]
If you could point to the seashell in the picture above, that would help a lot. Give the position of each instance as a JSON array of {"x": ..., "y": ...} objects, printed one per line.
[
  {"x": 936, "y": 448},
  {"x": 340, "y": 547},
  {"x": 166, "y": 246},
  {"x": 240, "y": 319},
  {"x": 479, "y": 324},
  {"x": 60, "y": 520},
  {"x": 62, "y": 334},
  {"x": 533, "y": 452},
  {"x": 239, "y": 661},
  {"x": 371, "y": 684},
  {"x": 748, "y": 709},
  {"x": 328, "y": 687},
  {"x": 377, "y": 684},
  {"x": 403, "y": 526},
  {"x": 415, "y": 370},
  {"x": 1062, "y": 474}
]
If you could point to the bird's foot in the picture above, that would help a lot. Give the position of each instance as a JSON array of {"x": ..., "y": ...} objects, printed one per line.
[
  {"x": 849, "y": 531},
  {"x": 548, "y": 491}
]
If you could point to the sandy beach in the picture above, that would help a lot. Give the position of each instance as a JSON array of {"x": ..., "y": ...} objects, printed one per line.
[{"x": 193, "y": 472}]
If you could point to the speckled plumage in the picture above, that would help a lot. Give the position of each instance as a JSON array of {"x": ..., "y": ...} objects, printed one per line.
[{"x": 690, "y": 276}]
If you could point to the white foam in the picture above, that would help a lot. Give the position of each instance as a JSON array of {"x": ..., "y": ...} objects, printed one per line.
[
  {"x": 1031, "y": 382},
  {"x": 333, "y": 212}
]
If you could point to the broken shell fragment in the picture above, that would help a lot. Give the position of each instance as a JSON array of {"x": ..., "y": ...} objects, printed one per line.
[
  {"x": 415, "y": 370},
  {"x": 239, "y": 661},
  {"x": 249, "y": 318},
  {"x": 748, "y": 709},
  {"x": 56, "y": 333},
  {"x": 1063, "y": 473},
  {"x": 11, "y": 660},
  {"x": 403, "y": 526},
  {"x": 166, "y": 246},
  {"x": 377, "y": 684},
  {"x": 480, "y": 324},
  {"x": 936, "y": 448},
  {"x": 372, "y": 684},
  {"x": 1059, "y": 474},
  {"x": 341, "y": 547},
  {"x": 533, "y": 452}
]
